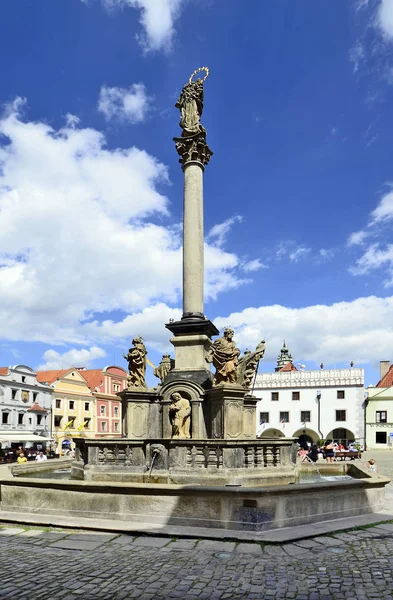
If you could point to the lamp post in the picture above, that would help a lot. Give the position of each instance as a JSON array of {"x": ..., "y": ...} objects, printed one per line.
[{"x": 319, "y": 395}]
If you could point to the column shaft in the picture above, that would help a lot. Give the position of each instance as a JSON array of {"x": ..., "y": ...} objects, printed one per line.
[{"x": 193, "y": 243}]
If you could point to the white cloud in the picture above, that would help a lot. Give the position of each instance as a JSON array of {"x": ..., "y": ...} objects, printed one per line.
[
  {"x": 376, "y": 257},
  {"x": 77, "y": 240},
  {"x": 219, "y": 233},
  {"x": 384, "y": 210},
  {"x": 291, "y": 251},
  {"x": 357, "y": 55},
  {"x": 385, "y": 18},
  {"x": 357, "y": 237},
  {"x": 130, "y": 104},
  {"x": 327, "y": 253},
  {"x": 157, "y": 19},
  {"x": 253, "y": 265},
  {"x": 299, "y": 253},
  {"x": 72, "y": 358},
  {"x": 360, "y": 330}
]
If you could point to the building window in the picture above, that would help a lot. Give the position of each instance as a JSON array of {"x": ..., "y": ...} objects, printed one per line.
[
  {"x": 71, "y": 405},
  {"x": 13, "y": 394},
  {"x": 87, "y": 406},
  {"x": 275, "y": 395},
  {"x": 263, "y": 418},
  {"x": 284, "y": 417},
  {"x": 116, "y": 411},
  {"x": 57, "y": 421},
  {"x": 380, "y": 437},
  {"x": 305, "y": 416},
  {"x": 340, "y": 394},
  {"x": 341, "y": 415},
  {"x": 86, "y": 424},
  {"x": 23, "y": 378},
  {"x": 71, "y": 422},
  {"x": 295, "y": 395},
  {"x": 29, "y": 420},
  {"x": 39, "y": 419},
  {"x": 35, "y": 394},
  {"x": 116, "y": 387},
  {"x": 116, "y": 427},
  {"x": 58, "y": 403},
  {"x": 381, "y": 416},
  {"x": 4, "y": 418},
  {"x": 102, "y": 410},
  {"x": 20, "y": 418},
  {"x": 103, "y": 426}
]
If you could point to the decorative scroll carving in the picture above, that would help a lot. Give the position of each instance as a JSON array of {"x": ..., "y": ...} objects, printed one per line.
[
  {"x": 136, "y": 358},
  {"x": 248, "y": 365},
  {"x": 224, "y": 356},
  {"x": 167, "y": 363},
  {"x": 192, "y": 146},
  {"x": 180, "y": 411}
]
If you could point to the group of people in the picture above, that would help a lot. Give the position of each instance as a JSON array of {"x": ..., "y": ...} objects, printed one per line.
[
  {"x": 327, "y": 451},
  {"x": 22, "y": 456}
]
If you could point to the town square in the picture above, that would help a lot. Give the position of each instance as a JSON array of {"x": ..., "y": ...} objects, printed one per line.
[{"x": 196, "y": 326}]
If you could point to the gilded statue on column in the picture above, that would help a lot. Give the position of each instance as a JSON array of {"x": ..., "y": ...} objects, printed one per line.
[
  {"x": 179, "y": 414},
  {"x": 136, "y": 358},
  {"x": 192, "y": 146}
]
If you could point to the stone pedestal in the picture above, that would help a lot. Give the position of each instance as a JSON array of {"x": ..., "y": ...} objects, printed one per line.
[
  {"x": 142, "y": 417},
  {"x": 225, "y": 407}
]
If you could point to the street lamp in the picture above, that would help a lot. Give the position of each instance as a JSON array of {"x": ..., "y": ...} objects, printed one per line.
[{"x": 319, "y": 395}]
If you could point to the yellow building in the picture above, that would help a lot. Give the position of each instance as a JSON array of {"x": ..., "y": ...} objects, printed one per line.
[
  {"x": 73, "y": 406},
  {"x": 379, "y": 411}
]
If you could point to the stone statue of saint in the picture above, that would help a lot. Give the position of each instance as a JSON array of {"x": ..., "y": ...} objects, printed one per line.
[
  {"x": 179, "y": 413},
  {"x": 224, "y": 356},
  {"x": 164, "y": 367},
  {"x": 248, "y": 365},
  {"x": 190, "y": 104},
  {"x": 136, "y": 358}
]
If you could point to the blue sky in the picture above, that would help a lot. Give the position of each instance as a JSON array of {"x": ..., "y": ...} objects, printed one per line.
[{"x": 298, "y": 196}]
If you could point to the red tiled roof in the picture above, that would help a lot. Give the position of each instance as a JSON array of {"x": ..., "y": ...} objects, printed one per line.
[
  {"x": 288, "y": 367},
  {"x": 50, "y": 376},
  {"x": 3, "y": 370},
  {"x": 94, "y": 378},
  {"x": 36, "y": 408},
  {"x": 387, "y": 380}
]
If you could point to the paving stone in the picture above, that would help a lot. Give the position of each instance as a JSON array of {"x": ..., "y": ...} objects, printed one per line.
[
  {"x": 293, "y": 550},
  {"x": 123, "y": 539},
  {"x": 88, "y": 537},
  {"x": 32, "y": 533},
  {"x": 11, "y": 530},
  {"x": 76, "y": 545},
  {"x": 151, "y": 542},
  {"x": 215, "y": 546},
  {"x": 249, "y": 549},
  {"x": 306, "y": 544},
  {"x": 182, "y": 544},
  {"x": 53, "y": 535}
]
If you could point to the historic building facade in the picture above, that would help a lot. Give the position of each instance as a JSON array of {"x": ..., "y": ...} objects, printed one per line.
[
  {"x": 379, "y": 411},
  {"x": 25, "y": 406},
  {"x": 104, "y": 385},
  {"x": 311, "y": 405},
  {"x": 74, "y": 412}
]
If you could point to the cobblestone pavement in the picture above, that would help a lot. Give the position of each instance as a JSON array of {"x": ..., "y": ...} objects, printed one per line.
[{"x": 41, "y": 565}]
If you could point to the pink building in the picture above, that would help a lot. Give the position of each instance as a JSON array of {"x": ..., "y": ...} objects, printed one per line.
[{"x": 104, "y": 386}]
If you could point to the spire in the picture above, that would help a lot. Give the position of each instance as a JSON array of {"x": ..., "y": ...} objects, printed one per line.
[{"x": 284, "y": 357}]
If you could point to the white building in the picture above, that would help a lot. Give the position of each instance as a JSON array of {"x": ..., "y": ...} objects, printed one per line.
[
  {"x": 379, "y": 411},
  {"x": 25, "y": 406},
  {"x": 310, "y": 405}
]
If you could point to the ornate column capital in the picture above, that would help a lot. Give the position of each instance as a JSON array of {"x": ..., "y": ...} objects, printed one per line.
[{"x": 193, "y": 148}]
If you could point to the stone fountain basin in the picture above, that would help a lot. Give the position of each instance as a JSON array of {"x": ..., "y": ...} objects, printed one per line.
[{"x": 191, "y": 506}]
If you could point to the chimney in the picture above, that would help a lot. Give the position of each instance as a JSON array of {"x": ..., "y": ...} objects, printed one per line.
[{"x": 384, "y": 366}]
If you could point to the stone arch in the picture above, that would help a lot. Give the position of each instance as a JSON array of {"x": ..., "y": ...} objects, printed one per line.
[
  {"x": 195, "y": 394},
  {"x": 306, "y": 434},
  {"x": 272, "y": 432},
  {"x": 341, "y": 435}
]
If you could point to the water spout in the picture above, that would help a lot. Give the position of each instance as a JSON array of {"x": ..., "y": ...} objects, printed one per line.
[{"x": 155, "y": 453}]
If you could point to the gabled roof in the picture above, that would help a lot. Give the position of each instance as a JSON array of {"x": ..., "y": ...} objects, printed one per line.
[
  {"x": 50, "y": 376},
  {"x": 94, "y": 378},
  {"x": 387, "y": 380},
  {"x": 3, "y": 370},
  {"x": 36, "y": 408},
  {"x": 288, "y": 367}
]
